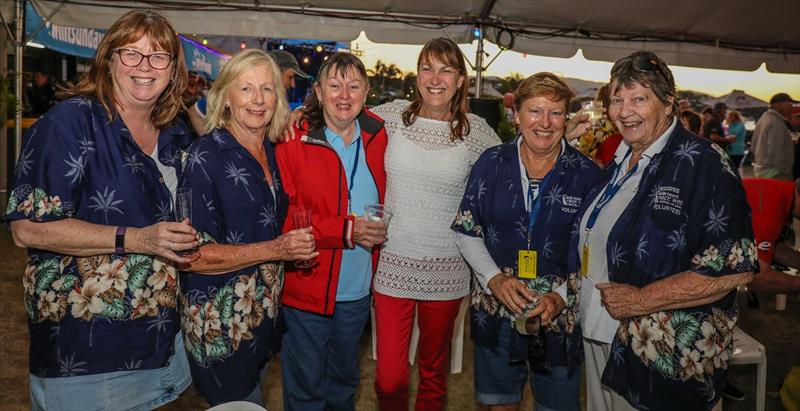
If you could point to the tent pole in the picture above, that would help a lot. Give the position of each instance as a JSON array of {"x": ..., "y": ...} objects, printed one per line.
[
  {"x": 3, "y": 118},
  {"x": 479, "y": 64},
  {"x": 19, "y": 27}
]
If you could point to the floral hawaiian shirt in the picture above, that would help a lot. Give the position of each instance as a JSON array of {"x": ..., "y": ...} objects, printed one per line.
[
  {"x": 230, "y": 325},
  {"x": 91, "y": 315},
  {"x": 493, "y": 208},
  {"x": 690, "y": 213}
]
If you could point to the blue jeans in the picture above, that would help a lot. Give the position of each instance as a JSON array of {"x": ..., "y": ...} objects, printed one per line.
[
  {"x": 319, "y": 357},
  {"x": 499, "y": 382},
  {"x": 119, "y": 390}
]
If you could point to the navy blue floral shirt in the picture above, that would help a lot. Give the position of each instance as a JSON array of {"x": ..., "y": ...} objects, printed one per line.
[
  {"x": 493, "y": 208},
  {"x": 90, "y": 315},
  {"x": 690, "y": 213},
  {"x": 230, "y": 320}
]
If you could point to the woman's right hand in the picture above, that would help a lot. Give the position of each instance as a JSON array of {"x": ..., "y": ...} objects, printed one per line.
[
  {"x": 296, "y": 245},
  {"x": 163, "y": 239},
  {"x": 512, "y": 293}
]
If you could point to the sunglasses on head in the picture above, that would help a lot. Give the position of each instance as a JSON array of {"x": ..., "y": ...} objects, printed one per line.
[{"x": 648, "y": 63}]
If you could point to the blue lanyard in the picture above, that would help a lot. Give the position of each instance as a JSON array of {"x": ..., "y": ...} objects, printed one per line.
[
  {"x": 535, "y": 204},
  {"x": 353, "y": 175},
  {"x": 611, "y": 190}
]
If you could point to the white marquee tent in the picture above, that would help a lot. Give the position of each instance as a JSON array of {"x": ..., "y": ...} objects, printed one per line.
[{"x": 723, "y": 34}]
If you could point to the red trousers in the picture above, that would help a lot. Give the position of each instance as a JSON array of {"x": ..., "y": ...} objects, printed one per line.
[{"x": 394, "y": 320}]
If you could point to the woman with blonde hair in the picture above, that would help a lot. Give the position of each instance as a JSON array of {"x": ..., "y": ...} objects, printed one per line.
[
  {"x": 231, "y": 293},
  {"x": 736, "y": 129},
  {"x": 91, "y": 201}
]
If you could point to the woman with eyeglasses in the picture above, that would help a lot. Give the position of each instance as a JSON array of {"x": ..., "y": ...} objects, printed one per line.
[
  {"x": 92, "y": 202},
  {"x": 662, "y": 243},
  {"x": 521, "y": 200}
]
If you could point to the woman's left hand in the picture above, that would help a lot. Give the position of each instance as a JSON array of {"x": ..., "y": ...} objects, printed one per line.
[
  {"x": 550, "y": 306},
  {"x": 621, "y": 300}
]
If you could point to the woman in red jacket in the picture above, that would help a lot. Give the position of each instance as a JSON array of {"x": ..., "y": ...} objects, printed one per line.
[{"x": 333, "y": 170}]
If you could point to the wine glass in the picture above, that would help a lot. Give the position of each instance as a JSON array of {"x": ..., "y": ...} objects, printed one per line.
[
  {"x": 302, "y": 219},
  {"x": 595, "y": 111},
  {"x": 183, "y": 210}
]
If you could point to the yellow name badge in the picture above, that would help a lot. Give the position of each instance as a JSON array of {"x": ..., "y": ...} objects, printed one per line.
[
  {"x": 527, "y": 264},
  {"x": 585, "y": 262}
]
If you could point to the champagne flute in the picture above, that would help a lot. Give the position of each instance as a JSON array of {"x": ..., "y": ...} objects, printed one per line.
[
  {"x": 183, "y": 210},
  {"x": 302, "y": 219}
]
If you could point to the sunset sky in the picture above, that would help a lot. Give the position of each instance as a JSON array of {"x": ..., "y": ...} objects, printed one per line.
[{"x": 759, "y": 83}]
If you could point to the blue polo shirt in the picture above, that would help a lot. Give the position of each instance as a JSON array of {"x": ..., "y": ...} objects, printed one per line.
[{"x": 356, "y": 269}]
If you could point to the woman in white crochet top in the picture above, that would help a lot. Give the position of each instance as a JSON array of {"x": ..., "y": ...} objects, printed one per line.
[{"x": 433, "y": 143}]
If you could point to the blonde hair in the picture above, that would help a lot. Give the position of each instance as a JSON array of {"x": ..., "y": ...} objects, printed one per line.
[
  {"x": 218, "y": 115},
  {"x": 128, "y": 29}
]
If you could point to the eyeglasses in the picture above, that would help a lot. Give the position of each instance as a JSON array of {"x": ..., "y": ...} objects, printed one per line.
[
  {"x": 133, "y": 58},
  {"x": 537, "y": 349},
  {"x": 648, "y": 63}
]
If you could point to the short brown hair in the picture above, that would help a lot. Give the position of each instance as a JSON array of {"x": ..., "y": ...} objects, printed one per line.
[
  {"x": 647, "y": 70},
  {"x": 543, "y": 84},
  {"x": 341, "y": 62},
  {"x": 447, "y": 52},
  {"x": 128, "y": 29}
]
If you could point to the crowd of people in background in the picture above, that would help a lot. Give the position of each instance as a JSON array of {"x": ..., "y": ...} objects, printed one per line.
[{"x": 607, "y": 247}]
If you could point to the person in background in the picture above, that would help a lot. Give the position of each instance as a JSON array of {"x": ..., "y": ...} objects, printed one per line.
[
  {"x": 508, "y": 107},
  {"x": 600, "y": 143},
  {"x": 333, "y": 170},
  {"x": 189, "y": 118},
  {"x": 92, "y": 201},
  {"x": 39, "y": 95},
  {"x": 289, "y": 68},
  {"x": 713, "y": 128},
  {"x": 537, "y": 182},
  {"x": 736, "y": 130},
  {"x": 773, "y": 153},
  {"x": 420, "y": 268},
  {"x": 691, "y": 121},
  {"x": 684, "y": 104},
  {"x": 231, "y": 294},
  {"x": 661, "y": 245}
]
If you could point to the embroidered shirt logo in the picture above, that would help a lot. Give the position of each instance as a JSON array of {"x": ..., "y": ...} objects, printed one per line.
[{"x": 668, "y": 198}]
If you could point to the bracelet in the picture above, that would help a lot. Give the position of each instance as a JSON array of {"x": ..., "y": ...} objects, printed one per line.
[{"x": 119, "y": 240}]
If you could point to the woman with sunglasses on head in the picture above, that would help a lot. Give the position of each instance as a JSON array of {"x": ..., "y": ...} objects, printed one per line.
[
  {"x": 91, "y": 201},
  {"x": 662, "y": 243},
  {"x": 521, "y": 200}
]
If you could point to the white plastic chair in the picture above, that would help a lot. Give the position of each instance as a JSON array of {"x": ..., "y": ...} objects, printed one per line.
[{"x": 237, "y": 406}]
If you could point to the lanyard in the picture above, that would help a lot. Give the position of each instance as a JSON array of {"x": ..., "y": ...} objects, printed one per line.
[
  {"x": 610, "y": 191},
  {"x": 535, "y": 204},
  {"x": 353, "y": 176}
]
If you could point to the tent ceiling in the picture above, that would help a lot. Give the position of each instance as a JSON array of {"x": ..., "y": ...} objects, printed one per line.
[{"x": 732, "y": 34}]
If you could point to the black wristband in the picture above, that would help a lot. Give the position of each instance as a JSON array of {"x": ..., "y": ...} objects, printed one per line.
[{"x": 119, "y": 241}]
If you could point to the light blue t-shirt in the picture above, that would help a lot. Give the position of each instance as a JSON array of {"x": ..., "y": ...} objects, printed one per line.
[
  {"x": 737, "y": 147},
  {"x": 356, "y": 268}
]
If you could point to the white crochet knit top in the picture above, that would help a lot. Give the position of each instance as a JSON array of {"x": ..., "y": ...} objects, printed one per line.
[{"x": 426, "y": 173}]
